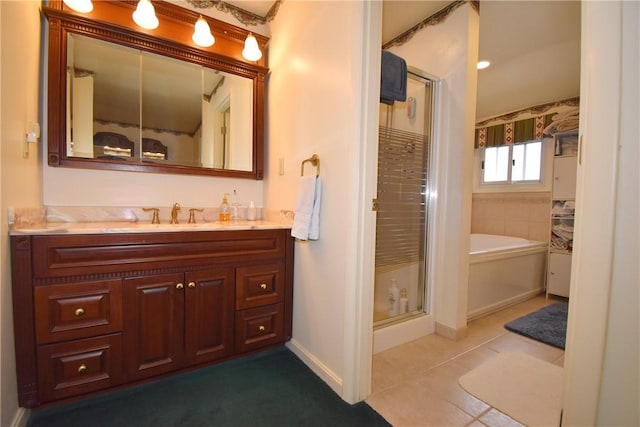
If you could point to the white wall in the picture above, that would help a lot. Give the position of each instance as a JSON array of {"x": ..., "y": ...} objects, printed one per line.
[
  {"x": 20, "y": 178},
  {"x": 603, "y": 336},
  {"x": 84, "y": 187},
  {"x": 449, "y": 51},
  {"x": 315, "y": 100}
]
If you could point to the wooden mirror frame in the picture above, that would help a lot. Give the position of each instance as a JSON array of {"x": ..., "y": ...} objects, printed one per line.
[{"x": 111, "y": 21}]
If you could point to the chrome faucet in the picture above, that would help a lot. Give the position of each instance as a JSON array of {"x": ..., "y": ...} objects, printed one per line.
[{"x": 174, "y": 213}]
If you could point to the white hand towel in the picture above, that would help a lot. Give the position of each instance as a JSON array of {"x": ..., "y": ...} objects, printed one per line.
[{"x": 306, "y": 223}]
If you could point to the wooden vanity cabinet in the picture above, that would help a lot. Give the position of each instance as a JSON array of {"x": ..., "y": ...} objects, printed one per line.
[{"x": 96, "y": 312}]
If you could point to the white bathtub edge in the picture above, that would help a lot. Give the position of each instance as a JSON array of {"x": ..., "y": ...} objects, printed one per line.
[{"x": 478, "y": 257}]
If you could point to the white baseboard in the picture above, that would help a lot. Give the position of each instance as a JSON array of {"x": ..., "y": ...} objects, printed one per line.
[
  {"x": 450, "y": 333},
  {"x": 21, "y": 417},
  {"x": 492, "y": 308},
  {"x": 320, "y": 369}
]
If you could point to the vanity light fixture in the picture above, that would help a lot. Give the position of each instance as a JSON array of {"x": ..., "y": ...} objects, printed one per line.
[
  {"x": 483, "y": 64},
  {"x": 82, "y": 6},
  {"x": 251, "y": 51},
  {"x": 145, "y": 15},
  {"x": 202, "y": 33}
]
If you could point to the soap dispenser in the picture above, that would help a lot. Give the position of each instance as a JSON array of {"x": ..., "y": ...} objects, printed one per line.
[
  {"x": 224, "y": 209},
  {"x": 394, "y": 298}
]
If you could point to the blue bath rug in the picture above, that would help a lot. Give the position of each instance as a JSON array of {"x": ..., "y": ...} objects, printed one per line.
[{"x": 547, "y": 325}]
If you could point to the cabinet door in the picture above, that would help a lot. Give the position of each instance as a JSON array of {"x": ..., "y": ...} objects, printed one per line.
[
  {"x": 153, "y": 324},
  {"x": 559, "y": 274},
  {"x": 209, "y": 315},
  {"x": 564, "y": 177}
]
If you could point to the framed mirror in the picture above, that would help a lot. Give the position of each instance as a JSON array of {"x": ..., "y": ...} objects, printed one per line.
[{"x": 123, "y": 100}]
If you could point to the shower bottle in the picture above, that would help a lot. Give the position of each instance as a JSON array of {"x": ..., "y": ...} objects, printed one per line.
[
  {"x": 404, "y": 301},
  {"x": 394, "y": 298}
]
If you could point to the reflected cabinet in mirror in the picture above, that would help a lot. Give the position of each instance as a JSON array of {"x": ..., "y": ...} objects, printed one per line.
[{"x": 124, "y": 100}]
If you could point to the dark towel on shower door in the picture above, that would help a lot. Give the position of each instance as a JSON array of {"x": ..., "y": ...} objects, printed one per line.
[{"x": 393, "y": 78}]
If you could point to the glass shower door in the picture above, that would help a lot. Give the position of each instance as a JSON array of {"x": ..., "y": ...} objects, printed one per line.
[{"x": 404, "y": 153}]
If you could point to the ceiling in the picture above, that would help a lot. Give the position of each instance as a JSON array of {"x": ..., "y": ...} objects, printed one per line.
[{"x": 534, "y": 47}]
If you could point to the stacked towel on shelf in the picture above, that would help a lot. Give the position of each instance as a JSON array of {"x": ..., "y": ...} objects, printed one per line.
[
  {"x": 563, "y": 208},
  {"x": 393, "y": 78},
  {"x": 563, "y": 231},
  {"x": 567, "y": 120},
  {"x": 306, "y": 222}
]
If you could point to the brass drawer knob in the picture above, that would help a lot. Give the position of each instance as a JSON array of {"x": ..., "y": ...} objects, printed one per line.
[
  {"x": 79, "y": 312},
  {"x": 82, "y": 368},
  {"x": 179, "y": 286},
  {"x": 261, "y": 328},
  {"x": 192, "y": 284},
  {"x": 263, "y": 286}
]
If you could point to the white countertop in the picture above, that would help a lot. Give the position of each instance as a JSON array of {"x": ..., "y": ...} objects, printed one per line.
[
  {"x": 136, "y": 227},
  {"x": 104, "y": 220}
]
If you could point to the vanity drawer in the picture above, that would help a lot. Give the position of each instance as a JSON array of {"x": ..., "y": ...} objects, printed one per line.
[
  {"x": 259, "y": 285},
  {"x": 78, "y": 367},
  {"x": 78, "y": 310},
  {"x": 71, "y": 255},
  {"x": 258, "y": 327}
]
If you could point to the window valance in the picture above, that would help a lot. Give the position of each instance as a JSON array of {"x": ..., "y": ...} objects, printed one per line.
[
  {"x": 512, "y": 132},
  {"x": 508, "y": 131}
]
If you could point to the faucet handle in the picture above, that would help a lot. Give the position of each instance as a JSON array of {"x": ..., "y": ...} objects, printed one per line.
[
  {"x": 192, "y": 215},
  {"x": 174, "y": 213},
  {"x": 156, "y": 218}
]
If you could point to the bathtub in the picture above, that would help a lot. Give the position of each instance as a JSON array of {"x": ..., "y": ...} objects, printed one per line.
[{"x": 503, "y": 271}]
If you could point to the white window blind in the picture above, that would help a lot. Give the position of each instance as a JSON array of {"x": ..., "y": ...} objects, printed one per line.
[{"x": 403, "y": 158}]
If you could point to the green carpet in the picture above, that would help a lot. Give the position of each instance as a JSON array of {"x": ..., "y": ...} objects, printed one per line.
[{"x": 272, "y": 388}]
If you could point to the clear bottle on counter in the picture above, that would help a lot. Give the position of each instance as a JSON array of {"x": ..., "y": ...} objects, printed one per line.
[
  {"x": 252, "y": 211},
  {"x": 234, "y": 213}
]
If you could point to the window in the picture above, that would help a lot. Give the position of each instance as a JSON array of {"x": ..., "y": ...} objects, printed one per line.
[{"x": 518, "y": 163}]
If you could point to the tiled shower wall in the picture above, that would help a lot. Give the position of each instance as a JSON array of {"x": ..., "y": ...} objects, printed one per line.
[{"x": 512, "y": 214}]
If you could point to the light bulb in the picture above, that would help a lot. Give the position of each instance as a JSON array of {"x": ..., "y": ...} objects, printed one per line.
[
  {"x": 251, "y": 51},
  {"x": 82, "y": 6},
  {"x": 202, "y": 34},
  {"x": 145, "y": 15}
]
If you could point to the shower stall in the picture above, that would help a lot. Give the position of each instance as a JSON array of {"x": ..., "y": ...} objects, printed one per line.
[{"x": 405, "y": 146}]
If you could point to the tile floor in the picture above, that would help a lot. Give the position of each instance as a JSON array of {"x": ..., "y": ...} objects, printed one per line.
[{"x": 416, "y": 384}]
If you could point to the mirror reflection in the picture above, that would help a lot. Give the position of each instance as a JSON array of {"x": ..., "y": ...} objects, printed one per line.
[{"x": 125, "y": 105}]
